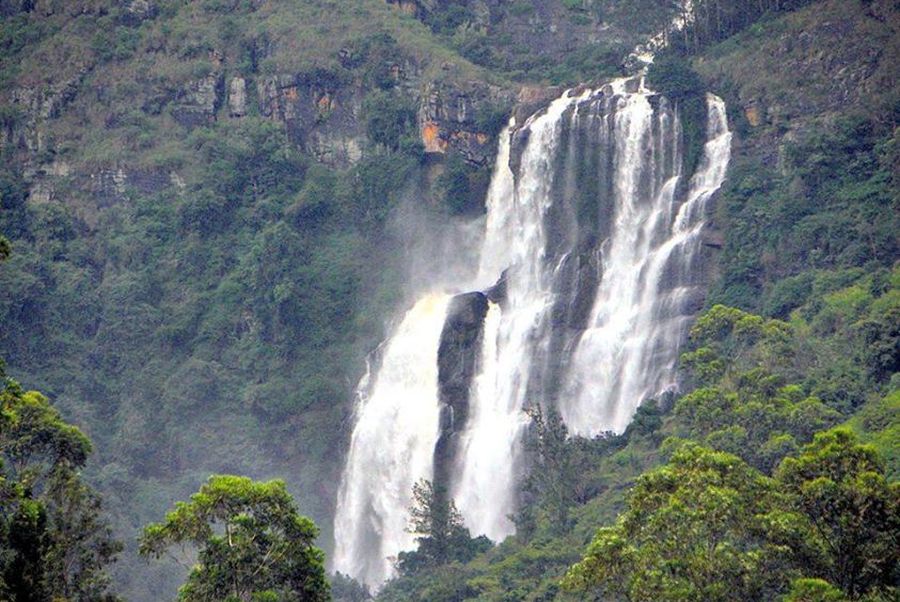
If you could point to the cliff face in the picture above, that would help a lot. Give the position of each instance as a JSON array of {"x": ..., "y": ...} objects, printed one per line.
[{"x": 796, "y": 74}]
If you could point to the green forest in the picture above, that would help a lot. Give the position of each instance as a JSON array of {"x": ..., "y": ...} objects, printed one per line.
[{"x": 205, "y": 231}]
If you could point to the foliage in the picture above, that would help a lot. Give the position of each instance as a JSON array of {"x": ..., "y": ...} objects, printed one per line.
[
  {"x": 814, "y": 590},
  {"x": 390, "y": 119},
  {"x": 252, "y": 543},
  {"x": 694, "y": 530},
  {"x": 708, "y": 527},
  {"x": 440, "y": 533},
  {"x": 54, "y": 540},
  {"x": 673, "y": 77},
  {"x": 560, "y": 476},
  {"x": 743, "y": 405},
  {"x": 833, "y": 209},
  {"x": 714, "y": 20},
  {"x": 463, "y": 186},
  {"x": 346, "y": 589},
  {"x": 840, "y": 485}
]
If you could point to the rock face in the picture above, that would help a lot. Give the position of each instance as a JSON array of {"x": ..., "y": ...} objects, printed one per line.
[
  {"x": 320, "y": 115},
  {"x": 237, "y": 97},
  {"x": 36, "y": 105},
  {"x": 199, "y": 101},
  {"x": 458, "y": 357},
  {"x": 456, "y": 117}
]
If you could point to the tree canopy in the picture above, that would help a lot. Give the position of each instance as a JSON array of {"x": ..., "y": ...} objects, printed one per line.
[
  {"x": 54, "y": 540},
  {"x": 252, "y": 543}
]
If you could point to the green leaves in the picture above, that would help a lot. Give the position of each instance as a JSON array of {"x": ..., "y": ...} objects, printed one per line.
[
  {"x": 252, "y": 543},
  {"x": 693, "y": 530},
  {"x": 54, "y": 541},
  {"x": 840, "y": 485},
  {"x": 707, "y": 526},
  {"x": 35, "y": 439}
]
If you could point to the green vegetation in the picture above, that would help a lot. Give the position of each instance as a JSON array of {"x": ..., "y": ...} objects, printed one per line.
[
  {"x": 715, "y": 20},
  {"x": 210, "y": 312},
  {"x": 742, "y": 488},
  {"x": 252, "y": 543},
  {"x": 54, "y": 540},
  {"x": 440, "y": 533},
  {"x": 707, "y": 526},
  {"x": 673, "y": 77},
  {"x": 833, "y": 209}
]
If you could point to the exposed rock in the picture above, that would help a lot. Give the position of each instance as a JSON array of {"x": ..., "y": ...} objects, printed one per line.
[
  {"x": 454, "y": 116},
  {"x": 110, "y": 186},
  {"x": 237, "y": 97},
  {"x": 137, "y": 11},
  {"x": 458, "y": 357},
  {"x": 321, "y": 116},
  {"x": 410, "y": 7},
  {"x": 199, "y": 101},
  {"x": 35, "y": 105}
]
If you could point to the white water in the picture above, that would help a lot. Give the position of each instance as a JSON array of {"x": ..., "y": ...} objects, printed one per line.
[
  {"x": 640, "y": 312},
  {"x": 640, "y": 309},
  {"x": 515, "y": 241},
  {"x": 391, "y": 447}
]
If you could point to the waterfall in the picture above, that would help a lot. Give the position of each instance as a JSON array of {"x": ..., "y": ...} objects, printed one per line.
[
  {"x": 391, "y": 447},
  {"x": 593, "y": 265},
  {"x": 649, "y": 290}
]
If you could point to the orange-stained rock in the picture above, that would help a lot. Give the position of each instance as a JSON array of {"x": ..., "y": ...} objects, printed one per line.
[
  {"x": 431, "y": 138},
  {"x": 753, "y": 116},
  {"x": 326, "y": 103}
]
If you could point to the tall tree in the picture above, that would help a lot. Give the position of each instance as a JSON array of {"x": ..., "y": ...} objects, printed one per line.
[
  {"x": 439, "y": 530},
  {"x": 695, "y": 529},
  {"x": 840, "y": 485},
  {"x": 252, "y": 543},
  {"x": 54, "y": 541}
]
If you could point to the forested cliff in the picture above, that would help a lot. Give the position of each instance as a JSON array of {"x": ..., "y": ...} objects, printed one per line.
[{"x": 217, "y": 210}]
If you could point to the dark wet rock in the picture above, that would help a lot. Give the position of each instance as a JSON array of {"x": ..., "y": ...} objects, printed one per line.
[{"x": 458, "y": 357}]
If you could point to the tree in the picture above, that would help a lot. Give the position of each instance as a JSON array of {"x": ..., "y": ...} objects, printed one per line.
[
  {"x": 698, "y": 528},
  {"x": 54, "y": 541},
  {"x": 345, "y": 588},
  {"x": 840, "y": 485},
  {"x": 441, "y": 534},
  {"x": 253, "y": 544},
  {"x": 814, "y": 590}
]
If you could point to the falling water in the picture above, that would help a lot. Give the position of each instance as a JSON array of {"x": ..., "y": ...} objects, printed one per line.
[
  {"x": 596, "y": 238},
  {"x": 515, "y": 242},
  {"x": 392, "y": 446},
  {"x": 649, "y": 289}
]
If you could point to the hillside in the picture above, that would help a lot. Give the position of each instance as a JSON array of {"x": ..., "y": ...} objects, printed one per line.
[
  {"x": 218, "y": 207},
  {"x": 197, "y": 193}
]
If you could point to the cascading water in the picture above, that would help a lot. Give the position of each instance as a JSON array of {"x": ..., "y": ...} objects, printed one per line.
[
  {"x": 596, "y": 240},
  {"x": 392, "y": 446},
  {"x": 649, "y": 289}
]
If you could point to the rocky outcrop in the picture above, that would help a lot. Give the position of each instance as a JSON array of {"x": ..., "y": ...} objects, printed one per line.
[
  {"x": 461, "y": 117},
  {"x": 321, "y": 115},
  {"x": 237, "y": 97},
  {"x": 198, "y": 102},
  {"x": 34, "y": 105},
  {"x": 137, "y": 11},
  {"x": 458, "y": 357}
]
